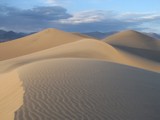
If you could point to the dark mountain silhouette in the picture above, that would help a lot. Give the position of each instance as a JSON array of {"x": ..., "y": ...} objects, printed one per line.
[
  {"x": 100, "y": 35},
  {"x": 10, "y": 35}
]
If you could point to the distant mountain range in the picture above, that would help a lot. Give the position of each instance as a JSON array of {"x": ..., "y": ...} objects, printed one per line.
[
  {"x": 154, "y": 35},
  {"x": 11, "y": 35},
  {"x": 102, "y": 35}
]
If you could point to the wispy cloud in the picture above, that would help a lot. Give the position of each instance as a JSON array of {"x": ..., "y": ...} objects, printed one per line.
[
  {"x": 57, "y": 2},
  {"x": 84, "y": 17},
  {"x": 51, "y": 1},
  {"x": 55, "y": 16}
]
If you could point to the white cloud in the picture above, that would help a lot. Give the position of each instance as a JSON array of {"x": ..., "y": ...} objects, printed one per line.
[
  {"x": 58, "y": 17},
  {"x": 56, "y": 2},
  {"x": 51, "y": 1},
  {"x": 87, "y": 17}
]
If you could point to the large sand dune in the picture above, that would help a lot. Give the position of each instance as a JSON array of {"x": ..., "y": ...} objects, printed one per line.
[
  {"x": 133, "y": 39},
  {"x": 36, "y": 42},
  {"x": 136, "y": 43},
  {"x": 68, "y": 77},
  {"x": 89, "y": 90},
  {"x": 87, "y": 48}
]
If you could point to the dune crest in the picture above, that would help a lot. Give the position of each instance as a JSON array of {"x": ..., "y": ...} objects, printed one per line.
[
  {"x": 133, "y": 39},
  {"x": 68, "y": 76},
  {"x": 88, "y": 89},
  {"x": 11, "y": 95},
  {"x": 36, "y": 42},
  {"x": 86, "y": 48}
]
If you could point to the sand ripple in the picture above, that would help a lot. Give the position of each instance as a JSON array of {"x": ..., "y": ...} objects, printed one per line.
[{"x": 76, "y": 89}]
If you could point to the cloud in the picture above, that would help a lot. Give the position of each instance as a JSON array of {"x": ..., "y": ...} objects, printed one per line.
[
  {"x": 51, "y": 1},
  {"x": 57, "y": 2},
  {"x": 30, "y": 19},
  {"x": 38, "y": 18},
  {"x": 85, "y": 17},
  {"x": 109, "y": 20}
]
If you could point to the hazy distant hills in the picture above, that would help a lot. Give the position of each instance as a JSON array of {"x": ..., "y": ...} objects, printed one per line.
[
  {"x": 102, "y": 35},
  {"x": 154, "y": 35},
  {"x": 10, "y": 35}
]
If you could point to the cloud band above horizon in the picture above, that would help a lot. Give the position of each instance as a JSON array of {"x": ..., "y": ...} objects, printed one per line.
[{"x": 41, "y": 17}]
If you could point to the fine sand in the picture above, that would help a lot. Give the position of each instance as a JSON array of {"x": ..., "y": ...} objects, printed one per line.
[
  {"x": 55, "y": 75},
  {"x": 86, "y": 48},
  {"x": 11, "y": 95},
  {"x": 36, "y": 42},
  {"x": 136, "y": 43},
  {"x": 81, "y": 89},
  {"x": 133, "y": 39}
]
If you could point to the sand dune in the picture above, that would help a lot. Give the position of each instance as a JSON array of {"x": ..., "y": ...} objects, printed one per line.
[
  {"x": 87, "y": 48},
  {"x": 136, "y": 43},
  {"x": 68, "y": 77},
  {"x": 88, "y": 89},
  {"x": 36, "y": 42},
  {"x": 133, "y": 39},
  {"x": 11, "y": 95},
  {"x": 83, "y": 35}
]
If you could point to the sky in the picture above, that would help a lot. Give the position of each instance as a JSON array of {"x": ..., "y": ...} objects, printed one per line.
[{"x": 80, "y": 15}]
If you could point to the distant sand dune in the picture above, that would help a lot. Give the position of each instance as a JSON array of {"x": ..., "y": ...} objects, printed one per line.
[
  {"x": 133, "y": 39},
  {"x": 68, "y": 76},
  {"x": 88, "y": 89},
  {"x": 87, "y": 48},
  {"x": 36, "y": 42},
  {"x": 136, "y": 43}
]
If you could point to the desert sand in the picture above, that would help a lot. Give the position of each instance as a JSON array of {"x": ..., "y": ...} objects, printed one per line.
[
  {"x": 11, "y": 94},
  {"x": 133, "y": 39},
  {"x": 36, "y": 42},
  {"x": 61, "y": 76},
  {"x": 136, "y": 43}
]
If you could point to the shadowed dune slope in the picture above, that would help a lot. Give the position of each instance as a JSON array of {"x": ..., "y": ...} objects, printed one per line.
[
  {"x": 82, "y": 89},
  {"x": 136, "y": 43},
  {"x": 133, "y": 39},
  {"x": 36, "y": 42},
  {"x": 86, "y": 48},
  {"x": 83, "y": 35}
]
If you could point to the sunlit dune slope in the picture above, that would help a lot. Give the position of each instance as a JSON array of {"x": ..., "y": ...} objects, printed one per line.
[
  {"x": 36, "y": 42},
  {"x": 136, "y": 43},
  {"x": 88, "y": 89},
  {"x": 133, "y": 39},
  {"x": 87, "y": 48}
]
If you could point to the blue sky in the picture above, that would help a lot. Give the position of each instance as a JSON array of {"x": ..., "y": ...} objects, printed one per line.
[
  {"x": 117, "y": 5},
  {"x": 80, "y": 5},
  {"x": 80, "y": 15}
]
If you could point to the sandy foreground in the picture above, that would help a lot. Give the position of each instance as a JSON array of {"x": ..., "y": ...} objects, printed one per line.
[
  {"x": 79, "y": 79},
  {"x": 11, "y": 95}
]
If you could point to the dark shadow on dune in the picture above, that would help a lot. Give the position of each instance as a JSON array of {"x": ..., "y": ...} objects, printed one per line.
[{"x": 145, "y": 53}]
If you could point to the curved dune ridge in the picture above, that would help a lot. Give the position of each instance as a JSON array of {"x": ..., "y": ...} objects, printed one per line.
[
  {"x": 68, "y": 76},
  {"x": 86, "y": 48},
  {"x": 11, "y": 95},
  {"x": 88, "y": 89},
  {"x": 133, "y": 39},
  {"x": 82, "y": 49},
  {"x": 36, "y": 42},
  {"x": 137, "y": 44}
]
